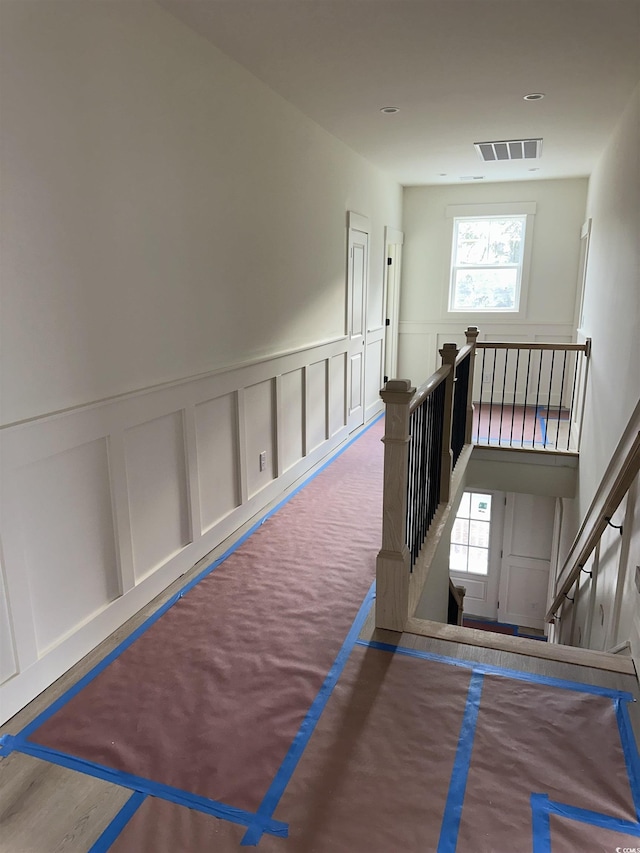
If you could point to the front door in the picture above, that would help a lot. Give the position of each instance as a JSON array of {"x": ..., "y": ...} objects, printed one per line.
[
  {"x": 476, "y": 540},
  {"x": 357, "y": 276}
]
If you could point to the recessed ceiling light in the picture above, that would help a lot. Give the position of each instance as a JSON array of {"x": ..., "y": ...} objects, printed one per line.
[
  {"x": 534, "y": 96},
  {"x": 390, "y": 110},
  {"x": 442, "y": 175}
]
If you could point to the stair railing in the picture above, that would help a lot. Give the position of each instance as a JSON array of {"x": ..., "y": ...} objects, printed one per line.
[
  {"x": 616, "y": 482},
  {"x": 530, "y": 395},
  {"x": 426, "y": 430}
]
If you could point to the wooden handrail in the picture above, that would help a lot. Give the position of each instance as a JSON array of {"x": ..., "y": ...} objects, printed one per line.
[
  {"x": 623, "y": 469},
  {"x": 464, "y": 352},
  {"x": 428, "y": 387},
  {"x": 536, "y": 345}
]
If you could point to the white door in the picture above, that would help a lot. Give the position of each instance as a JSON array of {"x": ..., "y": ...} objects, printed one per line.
[
  {"x": 357, "y": 276},
  {"x": 476, "y": 540},
  {"x": 526, "y": 560},
  {"x": 393, "y": 241}
]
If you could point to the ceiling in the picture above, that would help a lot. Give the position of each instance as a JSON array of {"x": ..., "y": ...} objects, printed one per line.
[{"x": 456, "y": 69}]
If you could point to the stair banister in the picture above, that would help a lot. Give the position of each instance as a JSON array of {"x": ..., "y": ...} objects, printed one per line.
[{"x": 617, "y": 480}]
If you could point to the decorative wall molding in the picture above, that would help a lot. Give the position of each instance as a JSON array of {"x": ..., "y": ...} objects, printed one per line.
[
  {"x": 409, "y": 327},
  {"x": 267, "y": 358},
  {"x": 104, "y": 505}
]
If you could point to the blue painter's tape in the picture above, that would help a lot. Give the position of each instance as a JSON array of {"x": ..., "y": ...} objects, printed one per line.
[
  {"x": 615, "y": 824},
  {"x": 543, "y": 428},
  {"x": 7, "y": 744},
  {"x": 146, "y": 786},
  {"x": 118, "y": 823},
  {"x": 291, "y": 759},
  {"x": 128, "y": 641},
  {"x": 453, "y": 808},
  {"x": 540, "y": 823},
  {"x": 630, "y": 750},
  {"x": 488, "y": 669}
]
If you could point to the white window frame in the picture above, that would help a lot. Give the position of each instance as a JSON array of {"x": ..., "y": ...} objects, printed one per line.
[
  {"x": 465, "y": 573},
  {"x": 478, "y": 211}
]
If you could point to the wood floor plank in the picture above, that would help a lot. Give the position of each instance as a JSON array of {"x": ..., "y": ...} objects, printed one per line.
[
  {"x": 522, "y": 646},
  {"x": 49, "y": 809}
]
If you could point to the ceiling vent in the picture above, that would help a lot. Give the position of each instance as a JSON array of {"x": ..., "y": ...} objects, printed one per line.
[{"x": 509, "y": 149}]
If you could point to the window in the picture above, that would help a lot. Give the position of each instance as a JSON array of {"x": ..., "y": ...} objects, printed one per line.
[
  {"x": 469, "y": 552},
  {"x": 486, "y": 263}
]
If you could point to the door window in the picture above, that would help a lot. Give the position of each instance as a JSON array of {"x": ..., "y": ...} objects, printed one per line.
[{"x": 469, "y": 552}]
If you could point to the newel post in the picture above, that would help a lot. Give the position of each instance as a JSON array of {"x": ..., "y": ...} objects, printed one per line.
[
  {"x": 449, "y": 353},
  {"x": 393, "y": 565},
  {"x": 472, "y": 337}
]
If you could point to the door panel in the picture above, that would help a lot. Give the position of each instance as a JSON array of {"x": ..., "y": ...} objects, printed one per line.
[
  {"x": 394, "y": 241},
  {"x": 358, "y": 271},
  {"x": 355, "y": 378},
  {"x": 526, "y": 561},
  {"x": 523, "y": 591}
]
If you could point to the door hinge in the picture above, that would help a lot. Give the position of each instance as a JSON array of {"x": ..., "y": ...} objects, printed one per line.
[
  {"x": 501, "y": 552},
  {"x": 389, "y": 261},
  {"x": 387, "y": 322},
  {"x": 386, "y": 379}
]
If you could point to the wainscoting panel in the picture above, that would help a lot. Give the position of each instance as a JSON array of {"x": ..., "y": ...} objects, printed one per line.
[
  {"x": 259, "y": 435},
  {"x": 8, "y": 662},
  {"x": 104, "y": 505},
  {"x": 290, "y": 419},
  {"x": 374, "y": 377},
  {"x": 157, "y": 481},
  {"x": 69, "y": 556},
  {"x": 337, "y": 393},
  {"x": 217, "y": 450},
  {"x": 316, "y": 405}
]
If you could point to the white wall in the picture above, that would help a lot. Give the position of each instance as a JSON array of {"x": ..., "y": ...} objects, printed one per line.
[
  {"x": 164, "y": 213},
  {"x": 173, "y": 278},
  {"x": 612, "y": 319},
  {"x": 424, "y": 322}
]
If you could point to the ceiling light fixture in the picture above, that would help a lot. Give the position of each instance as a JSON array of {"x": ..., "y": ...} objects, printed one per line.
[
  {"x": 390, "y": 110},
  {"x": 534, "y": 96}
]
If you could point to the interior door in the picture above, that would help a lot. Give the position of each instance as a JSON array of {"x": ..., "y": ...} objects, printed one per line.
[
  {"x": 357, "y": 277},
  {"x": 393, "y": 241},
  {"x": 526, "y": 560}
]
